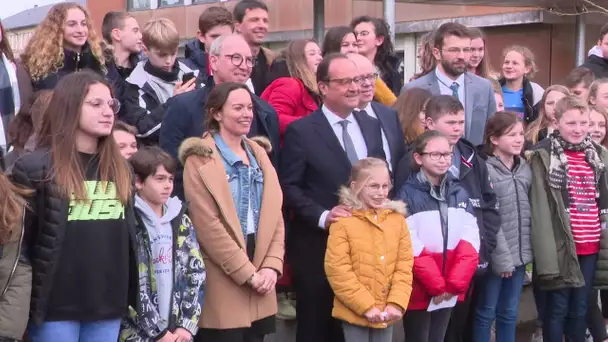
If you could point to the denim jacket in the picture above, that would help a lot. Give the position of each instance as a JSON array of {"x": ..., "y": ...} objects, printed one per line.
[{"x": 244, "y": 188}]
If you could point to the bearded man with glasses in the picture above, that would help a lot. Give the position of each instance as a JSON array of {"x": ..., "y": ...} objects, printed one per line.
[{"x": 452, "y": 51}]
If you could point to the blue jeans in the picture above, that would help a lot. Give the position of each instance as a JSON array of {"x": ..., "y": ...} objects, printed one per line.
[
  {"x": 75, "y": 331},
  {"x": 498, "y": 298},
  {"x": 567, "y": 308}
]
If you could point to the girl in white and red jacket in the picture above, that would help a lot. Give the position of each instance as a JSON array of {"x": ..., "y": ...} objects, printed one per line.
[{"x": 445, "y": 239}]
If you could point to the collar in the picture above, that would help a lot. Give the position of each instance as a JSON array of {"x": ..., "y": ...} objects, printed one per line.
[
  {"x": 334, "y": 118},
  {"x": 369, "y": 109},
  {"x": 229, "y": 156},
  {"x": 167, "y": 76},
  {"x": 443, "y": 78}
]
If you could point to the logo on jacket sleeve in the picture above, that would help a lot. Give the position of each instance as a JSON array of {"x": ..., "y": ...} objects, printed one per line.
[
  {"x": 462, "y": 205},
  {"x": 475, "y": 203}
]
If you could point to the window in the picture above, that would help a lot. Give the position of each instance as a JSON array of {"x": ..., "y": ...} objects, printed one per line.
[
  {"x": 139, "y": 4},
  {"x": 165, "y": 3}
]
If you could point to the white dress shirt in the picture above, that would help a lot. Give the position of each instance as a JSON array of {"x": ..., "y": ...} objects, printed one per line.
[
  {"x": 445, "y": 83},
  {"x": 354, "y": 130},
  {"x": 387, "y": 151}
]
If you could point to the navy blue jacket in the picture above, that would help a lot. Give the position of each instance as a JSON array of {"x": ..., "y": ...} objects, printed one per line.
[
  {"x": 185, "y": 117},
  {"x": 195, "y": 58}
]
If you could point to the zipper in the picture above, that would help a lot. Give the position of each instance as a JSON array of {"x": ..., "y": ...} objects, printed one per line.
[
  {"x": 171, "y": 323},
  {"x": 12, "y": 274},
  {"x": 78, "y": 61},
  {"x": 521, "y": 258}
]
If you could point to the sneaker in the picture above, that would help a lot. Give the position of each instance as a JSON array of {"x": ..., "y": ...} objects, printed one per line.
[
  {"x": 537, "y": 336},
  {"x": 287, "y": 310},
  {"x": 588, "y": 337}
]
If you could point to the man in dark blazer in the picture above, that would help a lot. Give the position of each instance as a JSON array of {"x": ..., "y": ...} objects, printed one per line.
[
  {"x": 393, "y": 141},
  {"x": 185, "y": 114},
  {"x": 318, "y": 153}
]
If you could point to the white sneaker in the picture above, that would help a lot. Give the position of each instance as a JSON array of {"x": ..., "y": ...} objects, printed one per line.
[
  {"x": 588, "y": 337},
  {"x": 537, "y": 336}
]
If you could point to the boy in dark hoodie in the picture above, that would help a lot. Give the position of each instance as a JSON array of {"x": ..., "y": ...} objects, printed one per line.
[
  {"x": 166, "y": 303},
  {"x": 445, "y": 114},
  {"x": 155, "y": 80},
  {"x": 597, "y": 62}
]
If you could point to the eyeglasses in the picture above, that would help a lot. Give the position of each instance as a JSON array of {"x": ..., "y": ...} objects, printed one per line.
[
  {"x": 438, "y": 155},
  {"x": 455, "y": 50},
  {"x": 97, "y": 104},
  {"x": 369, "y": 77},
  {"x": 379, "y": 187},
  {"x": 347, "y": 80},
  {"x": 237, "y": 60}
]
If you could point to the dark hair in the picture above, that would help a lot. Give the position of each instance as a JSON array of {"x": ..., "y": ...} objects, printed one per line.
[
  {"x": 216, "y": 100},
  {"x": 214, "y": 16},
  {"x": 332, "y": 43},
  {"x": 450, "y": 29},
  {"x": 5, "y": 46},
  {"x": 147, "y": 159},
  {"x": 385, "y": 51},
  {"x": 440, "y": 105},
  {"x": 244, "y": 5},
  {"x": 113, "y": 20},
  {"x": 58, "y": 133},
  {"x": 579, "y": 75},
  {"x": 120, "y": 125},
  {"x": 409, "y": 104},
  {"x": 603, "y": 31},
  {"x": 422, "y": 140},
  {"x": 28, "y": 120},
  {"x": 323, "y": 68},
  {"x": 498, "y": 125}
]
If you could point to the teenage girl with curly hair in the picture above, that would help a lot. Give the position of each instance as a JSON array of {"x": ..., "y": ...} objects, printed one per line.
[{"x": 64, "y": 42}]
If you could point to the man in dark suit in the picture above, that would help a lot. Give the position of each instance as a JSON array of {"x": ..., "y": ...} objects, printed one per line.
[
  {"x": 230, "y": 60},
  {"x": 393, "y": 142},
  {"x": 318, "y": 153}
]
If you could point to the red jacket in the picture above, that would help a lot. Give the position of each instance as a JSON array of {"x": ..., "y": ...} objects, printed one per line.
[{"x": 290, "y": 98}]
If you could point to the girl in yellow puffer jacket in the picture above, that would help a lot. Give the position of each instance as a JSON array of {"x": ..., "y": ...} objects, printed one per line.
[{"x": 369, "y": 257}]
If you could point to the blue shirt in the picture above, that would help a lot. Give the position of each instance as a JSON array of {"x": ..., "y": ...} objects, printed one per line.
[
  {"x": 246, "y": 185},
  {"x": 514, "y": 100}
]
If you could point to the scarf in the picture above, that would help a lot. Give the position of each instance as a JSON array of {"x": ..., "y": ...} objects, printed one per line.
[{"x": 558, "y": 166}]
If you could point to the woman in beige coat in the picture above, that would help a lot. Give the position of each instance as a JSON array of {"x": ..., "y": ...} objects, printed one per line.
[{"x": 235, "y": 205}]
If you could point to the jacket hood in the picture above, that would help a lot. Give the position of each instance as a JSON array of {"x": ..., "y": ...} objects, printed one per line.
[
  {"x": 198, "y": 147},
  {"x": 597, "y": 60},
  {"x": 172, "y": 209},
  {"x": 349, "y": 199},
  {"x": 595, "y": 51}
]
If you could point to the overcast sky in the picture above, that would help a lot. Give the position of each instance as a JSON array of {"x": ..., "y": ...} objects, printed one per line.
[{"x": 10, "y": 7}]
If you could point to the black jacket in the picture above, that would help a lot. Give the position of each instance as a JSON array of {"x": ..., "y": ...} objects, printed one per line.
[
  {"x": 598, "y": 65},
  {"x": 530, "y": 108},
  {"x": 195, "y": 58},
  {"x": 391, "y": 75},
  {"x": 313, "y": 167},
  {"x": 185, "y": 117},
  {"x": 117, "y": 75},
  {"x": 72, "y": 61},
  {"x": 475, "y": 179},
  {"x": 45, "y": 225}
]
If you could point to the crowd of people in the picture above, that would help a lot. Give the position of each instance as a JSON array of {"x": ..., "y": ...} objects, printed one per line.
[{"x": 147, "y": 197}]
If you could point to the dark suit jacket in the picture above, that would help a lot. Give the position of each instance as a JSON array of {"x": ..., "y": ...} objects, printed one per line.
[
  {"x": 313, "y": 166},
  {"x": 185, "y": 117},
  {"x": 389, "y": 121}
]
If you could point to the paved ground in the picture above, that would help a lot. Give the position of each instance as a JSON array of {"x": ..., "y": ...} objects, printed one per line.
[{"x": 525, "y": 328}]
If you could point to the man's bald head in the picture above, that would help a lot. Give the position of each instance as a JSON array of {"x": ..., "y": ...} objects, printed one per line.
[{"x": 368, "y": 72}]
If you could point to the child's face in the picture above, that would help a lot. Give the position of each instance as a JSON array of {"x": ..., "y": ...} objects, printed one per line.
[
  {"x": 500, "y": 103},
  {"x": 374, "y": 192},
  {"x": 161, "y": 59},
  {"x": 514, "y": 66},
  {"x": 126, "y": 143},
  {"x": 597, "y": 126},
  {"x": 436, "y": 158},
  {"x": 601, "y": 96},
  {"x": 511, "y": 142},
  {"x": 574, "y": 126},
  {"x": 157, "y": 188},
  {"x": 550, "y": 101},
  {"x": 450, "y": 124},
  {"x": 580, "y": 91}
]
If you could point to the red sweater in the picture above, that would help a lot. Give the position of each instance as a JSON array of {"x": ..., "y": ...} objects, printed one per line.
[{"x": 584, "y": 212}]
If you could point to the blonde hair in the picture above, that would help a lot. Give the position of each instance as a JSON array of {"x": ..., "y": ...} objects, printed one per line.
[
  {"x": 426, "y": 58},
  {"x": 363, "y": 168},
  {"x": 570, "y": 102},
  {"x": 44, "y": 54},
  {"x": 543, "y": 121},
  {"x": 160, "y": 34},
  {"x": 528, "y": 56},
  {"x": 595, "y": 86},
  {"x": 604, "y": 113}
]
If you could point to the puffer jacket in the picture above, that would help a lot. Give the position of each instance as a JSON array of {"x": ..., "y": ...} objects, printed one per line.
[
  {"x": 512, "y": 187},
  {"x": 369, "y": 260},
  {"x": 445, "y": 238},
  {"x": 15, "y": 288},
  {"x": 384, "y": 94},
  {"x": 189, "y": 274},
  {"x": 555, "y": 255}
]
